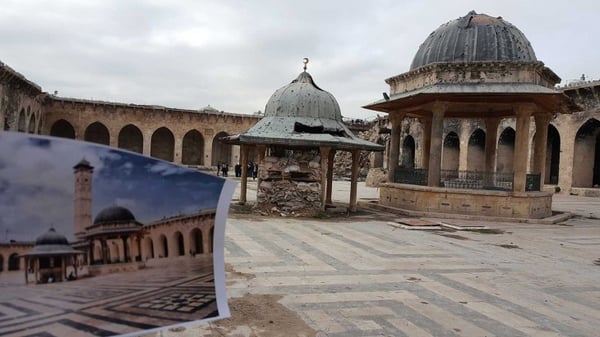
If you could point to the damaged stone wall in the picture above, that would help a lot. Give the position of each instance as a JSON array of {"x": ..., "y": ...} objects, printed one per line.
[{"x": 290, "y": 184}]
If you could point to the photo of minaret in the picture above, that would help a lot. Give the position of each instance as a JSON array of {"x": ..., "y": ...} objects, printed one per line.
[{"x": 88, "y": 223}]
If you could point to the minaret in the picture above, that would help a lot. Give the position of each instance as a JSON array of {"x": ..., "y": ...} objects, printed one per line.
[{"x": 82, "y": 198}]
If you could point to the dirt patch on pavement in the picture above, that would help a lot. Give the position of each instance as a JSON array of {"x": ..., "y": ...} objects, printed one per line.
[{"x": 260, "y": 316}]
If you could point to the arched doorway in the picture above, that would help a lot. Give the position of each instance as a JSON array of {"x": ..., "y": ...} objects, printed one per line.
[
  {"x": 506, "y": 150},
  {"x": 21, "y": 124},
  {"x": 62, "y": 128},
  {"x": 13, "y": 262},
  {"x": 196, "y": 241},
  {"x": 221, "y": 152},
  {"x": 476, "y": 151},
  {"x": 179, "y": 242},
  {"x": 31, "y": 124},
  {"x": 162, "y": 144},
  {"x": 131, "y": 138},
  {"x": 1, "y": 262},
  {"x": 192, "y": 152},
  {"x": 552, "y": 156},
  {"x": 451, "y": 152},
  {"x": 586, "y": 173},
  {"x": 408, "y": 152},
  {"x": 148, "y": 248},
  {"x": 97, "y": 133},
  {"x": 164, "y": 247}
]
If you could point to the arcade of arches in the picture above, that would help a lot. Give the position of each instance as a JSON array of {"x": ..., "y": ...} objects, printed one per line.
[
  {"x": 187, "y": 137},
  {"x": 569, "y": 137}
]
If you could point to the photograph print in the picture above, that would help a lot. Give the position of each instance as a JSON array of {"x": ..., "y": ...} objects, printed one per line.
[{"x": 96, "y": 241}]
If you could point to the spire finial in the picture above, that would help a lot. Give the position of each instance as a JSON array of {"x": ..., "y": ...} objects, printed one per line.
[{"x": 305, "y": 61}]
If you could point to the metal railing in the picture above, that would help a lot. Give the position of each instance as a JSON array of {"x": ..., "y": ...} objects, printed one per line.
[
  {"x": 410, "y": 176},
  {"x": 474, "y": 180}
]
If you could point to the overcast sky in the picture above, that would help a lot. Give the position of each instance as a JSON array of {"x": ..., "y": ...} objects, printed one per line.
[
  {"x": 37, "y": 183},
  {"x": 233, "y": 54}
]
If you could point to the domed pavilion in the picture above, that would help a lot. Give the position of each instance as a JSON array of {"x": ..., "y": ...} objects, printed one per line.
[
  {"x": 50, "y": 258},
  {"x": 296, "y": 141},
  {"x": 113, "y": 224},
  {"x": 474, "y": 67}
]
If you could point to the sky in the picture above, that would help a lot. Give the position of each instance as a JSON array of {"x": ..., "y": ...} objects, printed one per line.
[
  {"x": 37, "y": 184},
  {"x": 233, "y": 54}
]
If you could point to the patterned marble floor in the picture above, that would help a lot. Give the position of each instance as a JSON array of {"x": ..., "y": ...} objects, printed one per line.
[
  {"x": 163, "y": 294},
  {"x": 363, "y": 277}
]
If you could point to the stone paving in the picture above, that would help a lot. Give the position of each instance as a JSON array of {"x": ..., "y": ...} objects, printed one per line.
[
  {"x": 165, "y": 293},
  {"x": 361, "y": 276}
]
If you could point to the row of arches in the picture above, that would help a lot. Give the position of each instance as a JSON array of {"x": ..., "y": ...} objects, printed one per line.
[
  {"x": 585, "y": 173},
  {"x": 162, "y": 142},
  {"x": 162, "y": 247},
  {"x": 158, "y": 246},
  {"x": 28, "y": 121}
]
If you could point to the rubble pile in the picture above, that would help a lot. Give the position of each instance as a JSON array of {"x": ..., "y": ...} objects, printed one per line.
[
  {"x": 291, "y": 184},
  {"x": 342, "y": 165}
]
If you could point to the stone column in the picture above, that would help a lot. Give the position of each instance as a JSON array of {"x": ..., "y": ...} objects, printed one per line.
[
  {"x": 324, "y": 173},
  {"x": 125, "y": 248},
  {"x": 565, "y": 169},
  {"x": 523, "y": 112},
  {"x": 463, "y": 146},
  {"x": 541, "y": 139},
  {"x": 354, "y": 179},
  {"x": 426, "y": 142},
  {"x": 435, "y": 150},
  {"x": 396, "y": 118},
  {"x": 330, "y": 159},
  {"x": 147, "y": 144},
  {"x": 244, "y": 178},
  {"x": 491, "y": 144},
  {"x": 178, "y": 148}
]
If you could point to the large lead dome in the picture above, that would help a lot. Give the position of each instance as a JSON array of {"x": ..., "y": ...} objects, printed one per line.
[{"x": 474, "y": 38}]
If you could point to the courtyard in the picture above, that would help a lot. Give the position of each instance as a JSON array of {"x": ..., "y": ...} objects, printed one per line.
[{"x": 364, "y": 276}]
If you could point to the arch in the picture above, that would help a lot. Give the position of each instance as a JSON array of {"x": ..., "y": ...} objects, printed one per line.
[
  {"x": 178, "y": 240},
  {"x": 97, "y": 133},
  {"x": 31, "y": 124},
  {"x": 131, "y": 138},
  {"x": 62, "y": 128},
  {"x": 13, "y": 262},
  {"x": 162, "y": 144},
  {"x": 586, "y": 173},
  {"x": 163, "y": 249},
  {"x": 476, "y": 151},
  {"x": 148, "y": 248},
  {"x": 97, "y": 253},
  {"x": 1, "y": 262},
  {"x": 552, "y": 156},
  {"x": 451, "y": 152},
  {"x": 221, "y": 152},
  {"x": 192, "y": 152},
  {"x": 196, "y": 244},
  {"x": 22, "y": 121},
  {"x": 505, "y": 151},
  {"x": 408, "y": 152},
  {"x": 113, "y": 251}
]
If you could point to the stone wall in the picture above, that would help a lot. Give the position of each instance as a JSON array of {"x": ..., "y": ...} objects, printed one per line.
[{"x": 290, "y": 184}]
